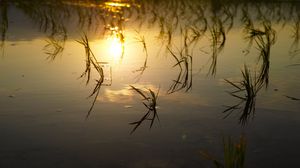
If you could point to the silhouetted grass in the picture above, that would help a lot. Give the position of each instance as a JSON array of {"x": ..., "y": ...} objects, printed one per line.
[
  {"x": 141, "y": 39},
  {"x": 264, "y": 39},
  {"x": 192, "y": 17},
  {"x": 91, "y": 61},
  {"x": 218, "y": 39},
  {"x": 184, "y": 79},
  {"x": 48, "y": 16},
  {"x": 150, "y": 102},
  {"x": 246, "y": 91}
]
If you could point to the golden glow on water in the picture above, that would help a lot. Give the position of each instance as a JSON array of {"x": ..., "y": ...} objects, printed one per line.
[
  {"x": 123, "y": 95},
  {"x": 111, "y": 48},
  {"x": 116, "y": 48},
  {"x": 117, "y": 4}
]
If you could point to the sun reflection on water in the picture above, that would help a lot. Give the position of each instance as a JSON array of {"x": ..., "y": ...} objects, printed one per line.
[
  {"x": 116, "y": 48},
  {"x": 117, "y": 4}
]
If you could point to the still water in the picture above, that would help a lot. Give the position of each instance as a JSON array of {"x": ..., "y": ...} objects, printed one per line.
[{"x": 138, "y": 83}]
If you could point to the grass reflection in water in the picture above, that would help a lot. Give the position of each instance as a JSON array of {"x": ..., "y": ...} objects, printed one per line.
[
  {"x": 91, "y": 61},
  {"x": 150, "y": 102},
  {"x": 246, "y": 91}
]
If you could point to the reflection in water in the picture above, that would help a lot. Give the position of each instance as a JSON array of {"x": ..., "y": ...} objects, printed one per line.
[
  {"x": 141, "y": 39},
  {"x": 4, "y": 22},
  {"x": 114, "y": 23},
  {"x": 150, "y": 102},
  {"x": 292, "y": 98},
  {"x": 116, "y": 6},
  {"x": 116, "y": 48},
  {"x": 184, "y": 79},
  {"x": 296, "y": 35},
  {"x": 264, "y": 39},
  {"x": 246, "y": 91},
  {"x": 91, "y": 61},
  {"x": 118, "y": 96},
  {"x": 184, "y": 29},
  {"x": 117, "y": 40},
  {"x": 251, "y": 84},
  {"x": 190, "y": 20},
  {"x": 55, "y": 44},
  {"x": 218, "y": 39},
  {"x": 50, "y": 19}
]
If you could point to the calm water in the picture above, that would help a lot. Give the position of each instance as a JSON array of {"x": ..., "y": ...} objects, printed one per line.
[{"x": 74, "y": 76}]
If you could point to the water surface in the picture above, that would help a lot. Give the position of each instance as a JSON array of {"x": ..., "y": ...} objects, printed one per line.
[{"x": 216, "y": 69}]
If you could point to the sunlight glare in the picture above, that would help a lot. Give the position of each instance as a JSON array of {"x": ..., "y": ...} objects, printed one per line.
[{"x": 115, "y": 48}]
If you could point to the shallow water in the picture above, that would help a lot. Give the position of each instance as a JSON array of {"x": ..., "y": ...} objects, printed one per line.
[{"x": 185, "y": 50}]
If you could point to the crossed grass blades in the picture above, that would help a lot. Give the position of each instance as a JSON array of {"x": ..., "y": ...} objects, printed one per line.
[
  {"x": 234, "y": 154},
  {"x": 185, "y": 77},
  {"x": 250, "y": 85},
  {"x": 150, "y": 102},
  {"x": 55, "y": 44},
  {"x": 246, "y": 91},
  {"x": 91, "y": 61}
]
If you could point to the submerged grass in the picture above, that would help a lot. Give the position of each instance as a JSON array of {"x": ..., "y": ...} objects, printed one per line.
[
  {"x": 234, "y": 154},
  {"x": 150, "y": 102}
]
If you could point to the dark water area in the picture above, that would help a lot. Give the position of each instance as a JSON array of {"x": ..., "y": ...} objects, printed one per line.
[{"x": 148, "y": 83}]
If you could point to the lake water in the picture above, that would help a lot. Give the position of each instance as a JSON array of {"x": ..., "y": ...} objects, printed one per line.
[{"x": 74, "y": 76}]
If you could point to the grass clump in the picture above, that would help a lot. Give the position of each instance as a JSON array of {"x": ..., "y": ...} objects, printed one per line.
[
  {"x": 246, "y": 91},
  {"x": 234, "y": 154},
  {"x": 91, "y": 61},
  {"x": 150, "y": 102},
  {"x": 184, "y": 78}
]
